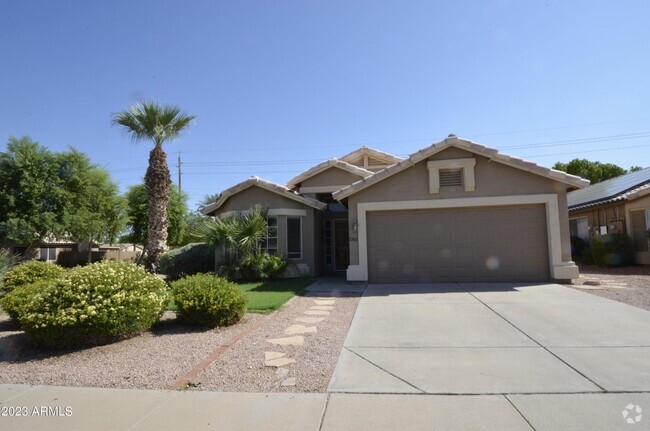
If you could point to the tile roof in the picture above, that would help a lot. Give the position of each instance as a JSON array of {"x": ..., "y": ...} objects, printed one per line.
[
  {"x": 267, "y": 185},
  {"x": 454, "y": 141},
  {"x": 326, "y": 165},
  {"x": 626, "y": 187}
]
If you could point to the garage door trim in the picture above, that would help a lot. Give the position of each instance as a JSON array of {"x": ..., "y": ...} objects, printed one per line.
[{"x": 558, "y": 268}]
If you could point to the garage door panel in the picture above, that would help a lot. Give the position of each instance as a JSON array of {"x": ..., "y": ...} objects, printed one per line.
[{"x": 469, "y": 244}]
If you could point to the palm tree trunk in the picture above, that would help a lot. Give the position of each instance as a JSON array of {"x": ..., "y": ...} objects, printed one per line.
[{"x": 157, "y": 181}]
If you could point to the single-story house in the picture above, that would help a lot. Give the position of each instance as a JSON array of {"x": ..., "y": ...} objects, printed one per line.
[
  {"x": 47, "y": 251},
  {"x": 69, "y": 253},
  {"x": 453, "y": 211},
  {"x": 619, "y": 205}
]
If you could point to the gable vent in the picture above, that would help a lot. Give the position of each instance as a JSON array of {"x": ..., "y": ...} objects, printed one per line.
[{"x": 451, "y": 177}]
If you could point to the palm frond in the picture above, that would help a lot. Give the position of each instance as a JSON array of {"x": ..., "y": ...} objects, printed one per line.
[{"x": 151, "y": 121}]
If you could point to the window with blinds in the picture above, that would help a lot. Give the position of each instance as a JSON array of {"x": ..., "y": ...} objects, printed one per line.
[{"x": 451, "y": 177}]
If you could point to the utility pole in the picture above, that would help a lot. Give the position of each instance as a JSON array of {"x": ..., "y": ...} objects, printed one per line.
[{"x": 180, "y": 190}]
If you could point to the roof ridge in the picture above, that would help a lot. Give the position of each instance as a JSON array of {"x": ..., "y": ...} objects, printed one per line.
[
  {"x": 332, "y": 162},
  {"x": 468, "y": 145}
]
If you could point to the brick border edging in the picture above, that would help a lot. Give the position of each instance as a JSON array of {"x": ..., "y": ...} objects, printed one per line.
[{"x": 205, "y": 363}]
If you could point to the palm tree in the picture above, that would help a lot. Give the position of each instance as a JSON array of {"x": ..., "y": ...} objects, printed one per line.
[{"x": 151, "y": 121}]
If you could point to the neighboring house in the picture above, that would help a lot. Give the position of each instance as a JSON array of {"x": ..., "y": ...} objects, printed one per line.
[
  {"x": 454, "y": 211},
  {"x": 69, "y": 253},
  {"x": 619, "y": 205},
  {"x": 46, "y": 251}
]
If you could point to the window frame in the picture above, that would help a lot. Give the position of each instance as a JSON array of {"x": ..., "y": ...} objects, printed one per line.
[
  {"x": 271, "y": 250},
  {"x": 51, "y": 251}
]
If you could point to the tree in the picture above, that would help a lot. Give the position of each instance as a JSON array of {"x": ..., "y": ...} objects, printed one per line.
[
  {"x": 208, "y": 199},
  {"x": 138, "y": 215},
  {"x": 46, "y": 195},
  {"x": 159, "y": 124},
  {"x": 592, "y": 171},
  {"x": 94, "y": 211},
  {"x": 635, "y": 168},
  {"x": 29, "y": 198}
]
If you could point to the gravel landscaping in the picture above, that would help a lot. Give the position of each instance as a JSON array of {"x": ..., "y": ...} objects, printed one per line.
[
  {"x": 159, "y": 358},
  {"x": 153, "y": 360},
  {"x": 630, "y": 285},
  {"x": 242, "y": 368}
]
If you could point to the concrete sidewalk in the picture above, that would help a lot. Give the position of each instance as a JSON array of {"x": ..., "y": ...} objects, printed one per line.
[{"x": 59, "y": 408}]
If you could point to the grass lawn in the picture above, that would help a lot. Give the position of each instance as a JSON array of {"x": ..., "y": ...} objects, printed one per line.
[{"x": 267, "y": 296}]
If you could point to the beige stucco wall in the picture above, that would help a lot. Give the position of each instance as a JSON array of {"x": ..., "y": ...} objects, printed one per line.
[
  {"x": 252, "y": 196},
  {"x": 492, "y": 179},
  {"x": 331, "y": 177}
]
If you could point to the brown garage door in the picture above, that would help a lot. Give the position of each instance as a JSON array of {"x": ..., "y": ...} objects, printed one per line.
[{"x": 472, "y": 244}]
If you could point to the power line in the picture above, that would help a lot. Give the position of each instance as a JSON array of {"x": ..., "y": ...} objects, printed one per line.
[
  {"x": 591, "y": 151},
  {"x": 579, "y": 141}
]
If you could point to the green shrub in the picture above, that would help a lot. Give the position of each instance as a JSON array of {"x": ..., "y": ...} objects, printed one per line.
[
  {"x": 257, "y": 266},
  {"x": 14, "y": 302},
  {"x": 28, "y": 273},
  {"x": 270, "y": 266},
  {"x": 613, "y": 249},
  {"x": 188, "y": 260},
  {"x": 207, "y": 300},
  {"x": 94, "y": 304}
]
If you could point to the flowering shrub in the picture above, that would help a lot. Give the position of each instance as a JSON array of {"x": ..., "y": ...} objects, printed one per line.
[
  {"x": 15, "y": 300},
  {"x": 29, "y": 273},
  {"x": 207, "y": 300},
  {"x": 94, "y": 304}
]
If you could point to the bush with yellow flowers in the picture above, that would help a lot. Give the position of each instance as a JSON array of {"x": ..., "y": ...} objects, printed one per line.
[{"x": 94, "y": 304}]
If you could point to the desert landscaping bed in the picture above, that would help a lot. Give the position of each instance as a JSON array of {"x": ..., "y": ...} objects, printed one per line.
[
  {"x": 630, "y": 284},
  {"x": 243, "y": 367},
  {"x": 159, "y": 358},
  {"x": 153, "y": 360}
]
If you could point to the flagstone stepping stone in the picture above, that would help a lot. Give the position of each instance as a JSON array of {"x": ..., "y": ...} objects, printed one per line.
[
  {"x": 316, "y": 313},
  {"x": 273, "y": 355},
  {"x": 298, "y": 340},
  {"x": 291, "y": 381},
  {"x": 321, "y": 307},
  {"x": 300, "y": 329},
  {"x": 281, "y": 372},
  {"x": 279, "y": 362},
  {"x": 324, "y": 302},
  {"x": 309, "y": 319}
]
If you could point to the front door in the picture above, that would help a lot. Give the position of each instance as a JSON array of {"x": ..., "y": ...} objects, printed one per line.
[{"x": 341, "y": 245}]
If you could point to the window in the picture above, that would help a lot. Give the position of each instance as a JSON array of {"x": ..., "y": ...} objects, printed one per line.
[
  {"x": 294, "y": 237},
  {"x": 451, "y": 177},
  {"x": 48, "y": 253},
  {"x": 579, "y": 227},
  {"x": 271, "y": 240},
  {"x": 328, "y": 242}
]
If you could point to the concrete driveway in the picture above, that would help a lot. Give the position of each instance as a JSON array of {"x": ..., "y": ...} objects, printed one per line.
[{"x": 533, "y": 350}]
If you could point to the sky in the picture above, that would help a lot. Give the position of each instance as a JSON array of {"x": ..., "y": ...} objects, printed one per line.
[{"x": 279, "y": 86}]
